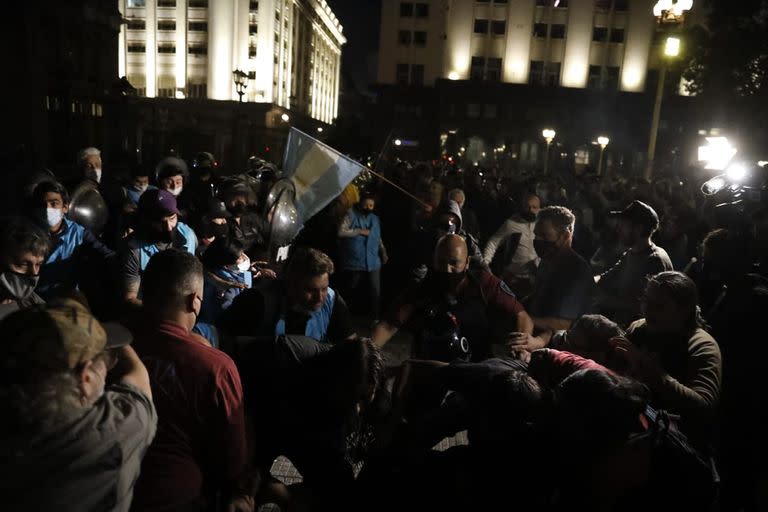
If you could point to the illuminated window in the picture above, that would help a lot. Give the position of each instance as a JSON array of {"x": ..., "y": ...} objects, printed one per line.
[
  {"x": 199, "y": 26},
  {"x": 481, "y": 26},
  {"x": 617, "y": 35},
  {"x": 136, "y": 25},
  {"x": 557, "y": 31},
  {"x": 498, "y": 28},
  {"x": 406, "y": 9},
  {"x": 419, "y": 38},
  {"x": 422, "y": 10},
  {"x": 166, "y": 25},
  {"x": 539, "y": 30},
  {"x": 599, "y": 34},
  {"x": 404, "y": 38}
]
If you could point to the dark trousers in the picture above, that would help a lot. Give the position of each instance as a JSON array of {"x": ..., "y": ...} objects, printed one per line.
[{"x": 351, "y": 284}]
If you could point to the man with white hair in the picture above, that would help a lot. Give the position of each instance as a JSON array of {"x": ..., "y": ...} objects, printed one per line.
[{"x": 89, "y": 164}]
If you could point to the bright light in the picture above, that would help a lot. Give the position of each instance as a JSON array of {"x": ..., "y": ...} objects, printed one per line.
[
  {"x": 603, "y": 141},
  {"x": 677, "y": 9},
  {"x": 179, "y": 95},
  {"x": 483, "y": 153},
  {"x": 737, "y": 172},
  {"x": 453, "y": 75},
  {"x": 717, "y": 154},
  {"x": 462, "y": 149},
  {"x": 285, "y": 117},
  {"x": 672, "y": 47},
  {"x": 319, "y": 129},
  {"x": 398, "y": 142},
  {"x": 548, "y": 134},
  {"x": 762, "y": 163}
]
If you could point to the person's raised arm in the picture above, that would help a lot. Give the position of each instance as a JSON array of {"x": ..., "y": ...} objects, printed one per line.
[{"x": 133, "y": 371}]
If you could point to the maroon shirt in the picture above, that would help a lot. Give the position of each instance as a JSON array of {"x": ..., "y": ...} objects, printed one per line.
[{"x": 200, "y": 442}]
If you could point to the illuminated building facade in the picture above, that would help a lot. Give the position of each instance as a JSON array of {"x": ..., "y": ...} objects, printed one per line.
[{"x": 291, "y": 50}]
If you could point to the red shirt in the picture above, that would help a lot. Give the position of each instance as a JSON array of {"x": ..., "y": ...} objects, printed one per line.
[{"x": 200, "y": 442}]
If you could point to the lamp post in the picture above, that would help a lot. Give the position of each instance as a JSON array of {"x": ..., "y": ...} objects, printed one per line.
[
  {"x": 241, "y": 82},
  {"x": 671, "y": 15},
  {"x": 603, "y": 141},
  {"x": 549, "y": 136}
]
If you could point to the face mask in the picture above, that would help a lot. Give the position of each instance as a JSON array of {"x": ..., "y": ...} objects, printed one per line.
[
  {"x": 165, "y": 236},
  {"x": 237, "y": 209},
  {"x": 176, "y": 191},
  {"x": 528, "y": 216},
  {"x": 544, "y": 248},
  {"x": 18, "y": 286},
  {"x": 244, "y": 266},
  {"x": 54, "y": 216},
  {"x": 448, "y": 282},
  {"x": 140, "y": 188},
  {"x": 219, "y": 230},
  {"x": 95, "y": 174}
]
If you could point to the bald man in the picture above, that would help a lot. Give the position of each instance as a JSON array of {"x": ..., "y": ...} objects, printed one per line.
[{"x": 485, "y": 308}]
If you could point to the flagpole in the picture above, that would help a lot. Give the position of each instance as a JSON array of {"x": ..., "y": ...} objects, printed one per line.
[{"x": 382, "y": 178}]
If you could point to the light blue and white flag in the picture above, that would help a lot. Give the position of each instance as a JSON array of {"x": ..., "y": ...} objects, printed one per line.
[{"x": 319, "y": 172}]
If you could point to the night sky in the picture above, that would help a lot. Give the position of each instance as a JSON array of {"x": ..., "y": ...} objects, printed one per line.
[{"x": 360, "y": 19}]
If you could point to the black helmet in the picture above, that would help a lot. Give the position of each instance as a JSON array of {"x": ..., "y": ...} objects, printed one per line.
[
  {"x": 204, "y": 160},
  {"x": 171, "y": 166}
]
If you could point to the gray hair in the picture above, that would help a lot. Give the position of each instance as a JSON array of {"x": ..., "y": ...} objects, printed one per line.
[
  {"x": 457, "y": 195},
  {"x": 562, "y": 218},
  {"x": 85, "y": 153},
  {"x": 41, "y": 404}
]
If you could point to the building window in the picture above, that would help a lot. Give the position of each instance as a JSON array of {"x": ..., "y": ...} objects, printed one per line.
[
  {"x": 166, "y": 25},
  {"x": 252, "y": 52},
  {"x": 493, "y": 70},
  {"x": 620, "y": 5},
  {"x": 617, "y": 35},
  {"x": 473, "y": 110},
  {"x": 197, "y": 90},
  {"x": 166, "y": 3},
  {"x": 422, "y": 10},
  {"x": 136, "y": 25},
  {"x": 166, "y": 48},
  {"x": 562, "y": 5},
  {"x": 136, "y": 48},
  {"x": 401, "y": 74},
  {"x": 599, "y": 34},
  {"x": 482, "y": 1},
  {"x": 593, "y": 79},
  {"x": 603, "y": 5},
  {"x": 536, "y": 75},
  {"x": 136, "y": 3},
  {"x": 166, "y": 92},
  {"x": 499, "y": 1},
  {"x": 557, "y": 31},
  {"x": 498, "y": 28},
  {"x": 552, "y": 74},
  {"x": 199, "y": 26},
  {"x": 539, "y": 30},
  {"x": 481, "y": 26},
  {"x": 612, "y": 78},
  {"x": 198, "y": 4},
  {"x": 253, "y": 5},
  {"x": 490, "y": 110},
  {"x": 404, "y": 38},
  {"x": 543, "y": 3},
  {"x": 420, "y": 38},
  {"x": 198, "y": 49},
  {"x": 253, "y": 30},
  {"x": 476, "y": 70},
  {"x": 417, "y": 74},
  {"x": 406, "y": 10}
]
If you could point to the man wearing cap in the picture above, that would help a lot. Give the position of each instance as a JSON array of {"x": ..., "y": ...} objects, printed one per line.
[
  {"x": 213, "y": 224},
  {"x": 200, "y": 450},
  {"x": 23, "y": 249},
  {"x": 70, "y": 442},
  {"x": 157, "y": 229},
  {"x": 245, "y": 225},
  {"x": 620, "y": 288},
  {"x": 172, "y": 175}
]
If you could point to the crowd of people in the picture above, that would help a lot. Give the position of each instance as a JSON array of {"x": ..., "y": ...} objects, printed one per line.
[{"x": 596, "y": 338}]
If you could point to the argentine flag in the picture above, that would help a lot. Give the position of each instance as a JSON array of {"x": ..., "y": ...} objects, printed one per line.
[{"x": 319, "y": 172}]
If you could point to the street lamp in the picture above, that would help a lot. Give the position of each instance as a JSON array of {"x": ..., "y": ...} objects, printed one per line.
[
  {"x": 549, "y": 136},
  {"x": 603, "y": 141},
  {"x": 241, "y": 82},
  {"x": 398, "y": 142}
]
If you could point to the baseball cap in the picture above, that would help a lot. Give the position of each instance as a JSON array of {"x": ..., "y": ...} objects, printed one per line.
[
  {"x": 58, "y": 337},
  {"x": 639, "y": 213},
  {"x": 157, "y": 203}
]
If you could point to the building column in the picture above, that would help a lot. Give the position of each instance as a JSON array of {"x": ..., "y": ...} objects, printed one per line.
[
  {"x": 517, "y": 57},
  {"x": 575, "y": 70},
  {"x": 182, "y": 29},
  {"x": 122, "y": 47},
  {"x": 221, "y": 14},
  {"x": 150, "y": 66},
  {"x": 637, "y": 48}
]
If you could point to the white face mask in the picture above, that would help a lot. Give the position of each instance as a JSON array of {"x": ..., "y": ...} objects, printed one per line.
[
  {"x": 140, "y": 188},
  {"x": 95, "y": 174},
  {"x": 176, "y": 191},
  {"x": 245, "y": 265},
  {"x": 54, "y": 216}
]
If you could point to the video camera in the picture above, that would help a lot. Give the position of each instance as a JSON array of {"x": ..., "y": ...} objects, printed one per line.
[
  {"x": 441, "y": 338},
  {"x": 743, "y": 186}
]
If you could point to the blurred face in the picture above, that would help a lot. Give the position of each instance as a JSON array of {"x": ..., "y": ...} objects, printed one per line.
[
  {"x": 166, "y": 224},
  {"x": 26, "y": 263},
  {"x": 451, "y": 259},
  {"x": 54, "y": 200},
  {"x": 236, "y": 204},
  {"x": 308, "y": 294},
  {"x": 532, "y": 205},
  {"x": 629, "y": 234},
  {"x": 367, "y": 206},
  {"x": 548, "y": 240},
  {"x": 141, "y": 181},
  {"x": 172, "y": 183},
  {"x": 662, "y": 314},
  {"x": 92, "y": 167}
]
